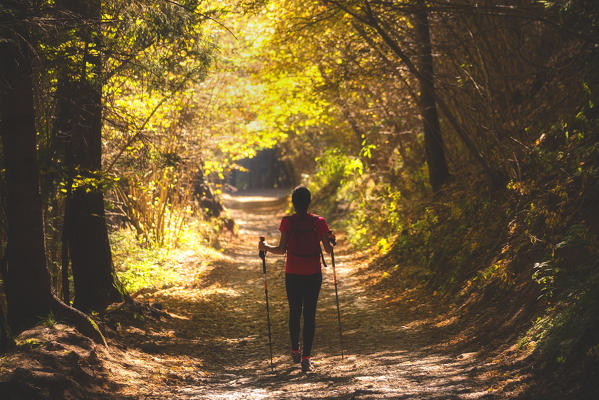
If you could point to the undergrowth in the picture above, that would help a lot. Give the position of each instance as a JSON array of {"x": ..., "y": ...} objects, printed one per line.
[
  {"x": 560, "y": 213},
  {"x": 539, "y": 234},
  {"x": 142, "y": 265}
]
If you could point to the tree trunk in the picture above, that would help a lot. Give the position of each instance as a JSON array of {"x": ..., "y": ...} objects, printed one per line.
[
  {"x": 27, "y": 281},
  {"x": 96, "y": 283},
  {"x": 79, "y": 120},
  {"x": 26, "y": 278},
  {"x": 433, "y": 141},
  {"x": 6, "y": 340},
  {"x": 64, "y": 256}
]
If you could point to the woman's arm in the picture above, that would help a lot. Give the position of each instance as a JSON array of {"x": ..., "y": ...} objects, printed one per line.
[{"x": 280, "y": 249}]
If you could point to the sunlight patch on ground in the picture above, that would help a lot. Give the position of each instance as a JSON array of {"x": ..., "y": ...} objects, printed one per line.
[
  {"x": 203, "y": 253},
  {"x": 447, "y": 322},
  {"x": 186, "y": 293},
  {"x": 192, "y": 393}
]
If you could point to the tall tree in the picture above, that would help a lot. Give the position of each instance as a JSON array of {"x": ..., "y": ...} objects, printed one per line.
[
  {"x": 433, "y": 141},
  {"x": 79, "y": 122},
  {"x": 420, "y": 65},
  {"x": 27, "y": 280},
  {"x": 423, "y": 70}
]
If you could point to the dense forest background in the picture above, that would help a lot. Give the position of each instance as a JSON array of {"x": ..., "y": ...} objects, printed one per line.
[{"x": 457, "y": 140}]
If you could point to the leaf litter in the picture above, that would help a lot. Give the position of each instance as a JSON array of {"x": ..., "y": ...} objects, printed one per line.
[{"x": 205, "y": 338}]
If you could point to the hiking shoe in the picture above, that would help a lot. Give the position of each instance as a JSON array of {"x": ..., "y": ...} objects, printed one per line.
[
  {"x": 296, "y": 355},
  {"x": 306, "y": 364}
]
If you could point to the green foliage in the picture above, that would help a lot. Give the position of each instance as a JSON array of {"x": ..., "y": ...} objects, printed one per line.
[
  {"x": 446, "y": 239},
  {"x": 49, "y": 321},
  {"x": 141, "y": 267},
  {"x": 544, "y": 274},
  {"x": 567, "y": 337},
  {"x": 560, "y": 194},
  {"x": 570, "y": 266},
  {"x": 335, "y": 171},
  {"x": 30, "y": 343},
  {"x": 374, "y": 210}
]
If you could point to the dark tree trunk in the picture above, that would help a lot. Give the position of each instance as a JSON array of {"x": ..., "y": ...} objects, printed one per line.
[
  {"x": 26, "y": 278},
  {"x": 96, "y": 283},
  {"x": 6, "y": 340},
  {"x": 65, "y": 256},
  {"x": 433, "y": 141},
  {"x": 79, "y": 121},
  {"x": 27, "y": 283}
]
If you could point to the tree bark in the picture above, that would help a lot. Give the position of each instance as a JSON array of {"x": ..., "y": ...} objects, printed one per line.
[
  {"x": 433, "y": 141},
  {"x": 6, "y": 340},
  {"x": 26, "y": 278},
  {"x": 27, "y": 283},
  {"x": 79, "y": 120},
  {"x": 65, "y": 256},
  {"x": 94, "y": 276}
]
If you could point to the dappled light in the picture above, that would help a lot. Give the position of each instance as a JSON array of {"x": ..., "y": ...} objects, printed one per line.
[{"x": 285, "y": 199}]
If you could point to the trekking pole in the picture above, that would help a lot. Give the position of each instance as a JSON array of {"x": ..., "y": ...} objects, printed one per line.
[
  {"x": 262, "y": 255},
  {"x": 334, "y": 242}
]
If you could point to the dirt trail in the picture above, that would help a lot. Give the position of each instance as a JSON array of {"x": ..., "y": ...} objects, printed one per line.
[{"x": 218, "y": 348}]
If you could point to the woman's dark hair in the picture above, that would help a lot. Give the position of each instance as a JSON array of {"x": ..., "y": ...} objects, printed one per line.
[{"x": 301, "y": 199}]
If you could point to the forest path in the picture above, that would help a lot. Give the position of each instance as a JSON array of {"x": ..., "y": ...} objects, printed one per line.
[{"x": 217, "y": 348}]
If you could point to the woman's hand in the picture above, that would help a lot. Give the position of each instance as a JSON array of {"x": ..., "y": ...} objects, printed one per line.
[
  {"x": 262, "y": 246},
  {"x": 280, "y": 249},
  {"x": 332, "y": 238}
]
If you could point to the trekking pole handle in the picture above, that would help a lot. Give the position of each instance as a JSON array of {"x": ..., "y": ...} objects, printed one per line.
[
  {"x": 332, "y": 238},
  {"x": 262, "y": 253}
]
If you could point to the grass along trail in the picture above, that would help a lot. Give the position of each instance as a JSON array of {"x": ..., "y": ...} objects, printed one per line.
[{"x": 216, "y": 346}]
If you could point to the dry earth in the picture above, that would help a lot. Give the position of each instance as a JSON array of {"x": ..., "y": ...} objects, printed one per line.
[{"x": 211, "y": 343}]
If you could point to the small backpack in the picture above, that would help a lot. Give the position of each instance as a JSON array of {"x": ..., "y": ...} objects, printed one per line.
[{"x": 303, "y": 237}]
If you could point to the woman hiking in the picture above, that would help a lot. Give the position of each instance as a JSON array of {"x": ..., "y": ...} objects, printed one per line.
[{"x": 301, "y": 235}]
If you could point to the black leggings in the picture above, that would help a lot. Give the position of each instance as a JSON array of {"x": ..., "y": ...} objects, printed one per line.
[{"x": 302, "y": 290}]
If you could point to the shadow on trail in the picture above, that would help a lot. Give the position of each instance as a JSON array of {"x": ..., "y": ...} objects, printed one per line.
[{"x": 389, "y": 351}]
